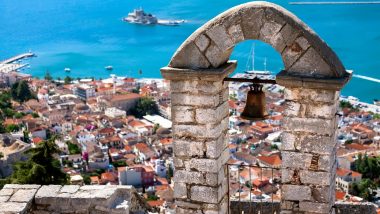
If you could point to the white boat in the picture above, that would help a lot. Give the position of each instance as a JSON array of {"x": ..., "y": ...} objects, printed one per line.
[
  {"x": 170, "y": 22},
  {"x": 138, "y": 16},
  {"x": 67, "y": 69},
  {"x": 264, "y": 74},
  {"x": 109, "y": 67}
]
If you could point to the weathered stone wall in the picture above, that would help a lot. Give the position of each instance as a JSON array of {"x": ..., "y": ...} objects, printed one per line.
[
  {"x": 258, "y": 207},
  {"x": 301, "y": 49},
  {"x": 313, "y": 77},
  {"x": 38, "y": 199},
  {"x": 309, "y": 150},
  {"x": 200, "y": 123}
]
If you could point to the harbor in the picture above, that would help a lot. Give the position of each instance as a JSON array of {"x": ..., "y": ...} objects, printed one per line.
[{"x": 13, "y": 63}]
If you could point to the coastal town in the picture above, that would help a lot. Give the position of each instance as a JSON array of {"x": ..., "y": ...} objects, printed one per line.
[{"x": 117, "y": 130}]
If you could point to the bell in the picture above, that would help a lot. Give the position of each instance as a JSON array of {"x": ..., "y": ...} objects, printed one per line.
[{"x": 255, "y": 104}]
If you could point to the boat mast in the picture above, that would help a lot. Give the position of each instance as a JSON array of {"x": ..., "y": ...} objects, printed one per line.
[
  {"x": 253, "y": 57},
  {"x": 265, "y": 64}
]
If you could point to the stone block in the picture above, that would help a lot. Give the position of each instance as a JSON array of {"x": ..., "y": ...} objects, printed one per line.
[
  {"x": 190, "y": 177},
  {"x": 14, "y": 207},
  {"x": 268, "y": 30},
  {"x": 205, "y": 165},
  {"x": 211, "y": 115},
  {"x": 310, "y": 64},
  {"x": 21, "y": 186},
  {"x": 220, "y": 37},
  {"x": 324, "y": 111},
  {"x": 326, "y": 162},
  {"x": 296, "y": 160},
  {"x": 196, "y": 87},
  {"x": 216, "y": 56},
  {"x": 215, "y": 179},
  {"x": 311, "y": 95},
  {"x": 200, "y": 131},
  {"x": 313, "y": 207},
  {"x": 214, "y": 148},
  {"x": 310, "y": 125},
  {"x": 194, "y": 100},
  {"x": 189, "y": 57},
  {"x": 236, "y": 33},
  {"x": 318, "y": 144},
  {"x": 4, "y": 198},
  {"x": 183, "y": 114},
  {"x": 204, "y": 194},
  {"x": 294, "y": 109},
  {"x": 188, "y": 148},
  {"x": 178, "y": 163},
  {"x": 288, "y": 141},
  {"x": 296, "y": 192},
  {"x": 180, "y": 190},
  {"x": 322, "y": 193},
  {"x": 8, "y": 192},
  {"x": 251, "y": 22},
  {"x": 47, "y": 194},
  {"x": 315, "y": 178},
  {"x": 23, "y": 195},
  {"x": 202, "y": 42},
  {"x": 69, "y": 188}
]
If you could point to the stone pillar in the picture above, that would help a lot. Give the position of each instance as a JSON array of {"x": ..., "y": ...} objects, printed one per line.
[
  {"x": 200, "y": 124},
  {"x": 309, "y": 143}
]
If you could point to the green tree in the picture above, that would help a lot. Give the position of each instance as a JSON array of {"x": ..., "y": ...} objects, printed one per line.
[
  {"x": 19, "y": 115},
  {"x": 48, "y": 77},
  {"x": 1, "y": 155},
  {"x": 35, "y": 115},
  {"x": 41, "y": 166},
  {"x": 144, "y": 107},
  {"x": 365, "y": 189},
  {"x": 73, "y": 148},
  {"x": 21, "y": 92},
  {"x": 12, "y": 128},
  {"x": 86, "y": 179},
  {"x": 67, "y": 80}
]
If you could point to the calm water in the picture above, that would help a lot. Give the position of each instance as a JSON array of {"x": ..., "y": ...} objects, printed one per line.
[{"x": 87, "y": 35}]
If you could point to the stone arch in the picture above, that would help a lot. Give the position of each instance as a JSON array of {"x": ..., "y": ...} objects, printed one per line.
[{"x": 303, "y": 52}]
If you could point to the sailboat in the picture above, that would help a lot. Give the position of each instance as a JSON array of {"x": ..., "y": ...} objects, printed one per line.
[{"x": 253, "y": 71}]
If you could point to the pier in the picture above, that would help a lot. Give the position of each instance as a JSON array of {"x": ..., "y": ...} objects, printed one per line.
[
  {"x": 18, "y": 57},
  {"x": 333, "y": 2},
  {"x": 8, "y": 65}
]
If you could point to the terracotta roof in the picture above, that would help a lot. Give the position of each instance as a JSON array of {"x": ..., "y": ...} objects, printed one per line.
[
  {"x": 356, "y": 146},
  {"x": 37, "y": 140},
  {"x": 339, "y": 195},
  {"x": 108, "y": 176},
  {"x": 273, "y": 160},
  {"x": 166, "y": 141},
  {"x": 121, "y": 97},
  {"x": 156, "y": 203},
  {"x": 106, "y": 130}
]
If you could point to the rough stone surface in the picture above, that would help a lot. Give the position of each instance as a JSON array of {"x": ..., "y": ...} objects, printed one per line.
[
  {"x": 267, "y": 22},
  {"x": 296, "y": 193},
  {"x": 204, "y": 194},
  {"x": 188, "y": 148}
]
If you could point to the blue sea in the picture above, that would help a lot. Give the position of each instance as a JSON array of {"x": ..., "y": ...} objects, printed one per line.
[{"x": 87, "y": 35}]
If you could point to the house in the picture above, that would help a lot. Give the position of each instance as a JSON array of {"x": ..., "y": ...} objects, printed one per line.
[
  {"x": 262, "y": 130},
  {"x": 84, "y": 91},
  {"x": 345, "y": 178},
  {"x": 124, "y": 102},
  {"x": 272, "y": 161},
  {"x": 115, "y": 112}
]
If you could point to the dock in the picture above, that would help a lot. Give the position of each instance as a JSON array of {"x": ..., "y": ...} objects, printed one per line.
[
  {"x": 9, "y": 65},
  {"x": 333, "y": 2},
  {"x": 18, "y": 57}
]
